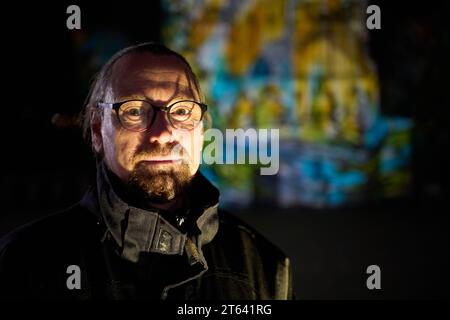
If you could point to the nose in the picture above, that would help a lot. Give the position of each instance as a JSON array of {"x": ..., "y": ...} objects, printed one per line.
[{"x": 161, "y": 130}]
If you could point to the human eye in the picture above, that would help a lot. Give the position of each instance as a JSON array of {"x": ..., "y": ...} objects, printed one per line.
[
  {"x": 181, "y": 112},
  {"x": 133, "y": 112}
]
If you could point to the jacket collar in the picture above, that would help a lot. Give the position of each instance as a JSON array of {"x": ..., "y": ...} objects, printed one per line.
[{"x": 136, "y": 230}]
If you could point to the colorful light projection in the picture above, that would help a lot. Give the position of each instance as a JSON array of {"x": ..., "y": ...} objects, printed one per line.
[{"x": 302, "y": 67}]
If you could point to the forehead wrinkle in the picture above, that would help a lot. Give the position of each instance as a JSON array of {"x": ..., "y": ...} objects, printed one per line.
[
  {"x": 146, "y": 84},
  {"x": 145, "y": 77},
  {"x": 151, "y": 93}
]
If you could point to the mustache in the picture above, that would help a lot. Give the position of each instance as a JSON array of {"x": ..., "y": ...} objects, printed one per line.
[{"x": 173, "y": 149}]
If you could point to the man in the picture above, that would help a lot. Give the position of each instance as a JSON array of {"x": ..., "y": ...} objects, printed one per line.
[{"x": 150, "y": 228}]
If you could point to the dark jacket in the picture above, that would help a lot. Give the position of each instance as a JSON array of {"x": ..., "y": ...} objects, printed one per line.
[{"x": 211, "y": 255}]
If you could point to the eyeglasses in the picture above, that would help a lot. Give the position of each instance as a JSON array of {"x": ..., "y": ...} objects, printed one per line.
[{"x": 139, "y": 115}]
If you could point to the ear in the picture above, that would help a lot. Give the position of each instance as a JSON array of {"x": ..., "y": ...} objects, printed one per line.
[{"x": 96, "y": 133}]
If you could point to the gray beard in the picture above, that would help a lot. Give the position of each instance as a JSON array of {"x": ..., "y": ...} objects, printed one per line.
[{"x": 160, "y": 185}]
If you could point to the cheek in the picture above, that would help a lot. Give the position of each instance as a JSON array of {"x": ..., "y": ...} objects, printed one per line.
[
  {"x": 126, "y": 145},
  {"x": 119, "y": 147},
  {"x": 192, "y": 142}
]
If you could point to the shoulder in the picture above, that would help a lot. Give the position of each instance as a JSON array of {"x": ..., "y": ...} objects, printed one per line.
[
  {"x": 34, "y": 257},
  {"x": 241, "y": 253},
  {"x": 52, "y": 230},
  {"x": 231, "y": 226}
]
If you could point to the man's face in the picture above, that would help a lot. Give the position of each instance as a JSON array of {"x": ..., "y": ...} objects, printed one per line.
[{"x": 162, "y": 160}]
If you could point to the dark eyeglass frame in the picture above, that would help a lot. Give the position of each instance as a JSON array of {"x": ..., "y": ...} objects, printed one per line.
[{"x": 166, "y": 109}]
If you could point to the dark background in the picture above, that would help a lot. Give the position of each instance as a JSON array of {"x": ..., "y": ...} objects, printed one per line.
[{"x": 46, "y": 168}]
